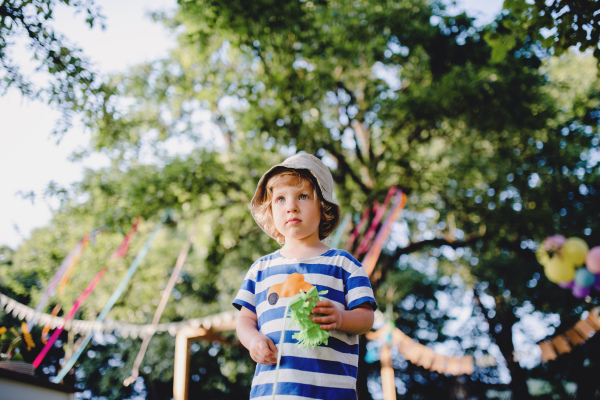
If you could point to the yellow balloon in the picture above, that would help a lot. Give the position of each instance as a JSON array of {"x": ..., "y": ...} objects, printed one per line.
[
  {"x": 575, "y": 250},
  {"x": 558, "y": 269},
  {"x": 542, "y": 255}
]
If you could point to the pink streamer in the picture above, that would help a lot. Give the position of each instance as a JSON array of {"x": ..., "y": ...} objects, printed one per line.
[
  {"x": 372, "y": 255},
  {"x": 118, "y": 253},
  {"x": 363, "y": 220},
  {"x": 366, "y": 241},
  {"x": 69, "y": 315}
]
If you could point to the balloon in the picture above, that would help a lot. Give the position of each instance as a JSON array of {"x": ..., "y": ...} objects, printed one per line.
[
  {"x": 575, "y": 250},
  {"x": 597, "y": 283},
  {"x": 554, "y": 242},
  {"x": 558, "y": 270},
  {"x": 584, "y": 278},
  {"x": 592, "y": 260},
  {"x": 580, "y": 292},
  {"x": 566, "y": 285},
  {"x": 542, "y": 256}
]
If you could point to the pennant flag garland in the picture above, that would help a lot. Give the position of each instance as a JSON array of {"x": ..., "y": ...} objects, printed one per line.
[
  {"x": 421, "y": 355},
  {"x": 563, "y": 343},
  {"x": 46, "y": 329},
  {"x": 219, "y": 322}
]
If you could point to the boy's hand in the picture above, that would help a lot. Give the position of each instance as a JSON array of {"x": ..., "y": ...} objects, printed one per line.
[
  {"x": 263, "y": 350},
  {"x": 330, "y": 316}
]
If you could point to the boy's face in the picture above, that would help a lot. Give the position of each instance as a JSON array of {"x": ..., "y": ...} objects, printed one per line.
[{"x": 296, "y": 212}]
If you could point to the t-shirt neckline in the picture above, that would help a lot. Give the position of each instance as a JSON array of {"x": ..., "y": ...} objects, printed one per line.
[{"x": 304, "y": 258}]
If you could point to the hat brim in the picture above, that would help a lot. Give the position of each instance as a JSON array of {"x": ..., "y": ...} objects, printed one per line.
[{"x": 299, "y": 163}]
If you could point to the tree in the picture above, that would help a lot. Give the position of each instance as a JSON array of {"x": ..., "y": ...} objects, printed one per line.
[
  {"x": 493, "y": 157},
  {"x": 555, "y": 26},
  {"x": 68, "y": 81}
]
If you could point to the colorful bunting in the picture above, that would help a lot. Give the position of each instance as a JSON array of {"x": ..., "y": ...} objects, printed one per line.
[
  {"x": 372, "y": 255},
  {"x": 366, "y": 241},
  {"x": 113, "y": 299}
]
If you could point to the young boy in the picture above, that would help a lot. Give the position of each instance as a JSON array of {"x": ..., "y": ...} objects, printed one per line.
[{"x": 294, "y": 205}]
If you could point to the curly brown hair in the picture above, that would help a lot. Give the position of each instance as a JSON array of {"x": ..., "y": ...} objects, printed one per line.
[{"x": 263, "y": 213}]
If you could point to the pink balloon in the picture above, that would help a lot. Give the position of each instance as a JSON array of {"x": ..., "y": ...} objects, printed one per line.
[
  {"x": 554, "y": 242},
  {"x": 567, "y": 284},
  {"x": 592, "y": 260}
]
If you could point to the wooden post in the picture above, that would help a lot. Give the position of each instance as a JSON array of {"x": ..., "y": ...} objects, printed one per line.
[
  {"x": 182, "y": 360},
  {"x": 387, "y": 373}
]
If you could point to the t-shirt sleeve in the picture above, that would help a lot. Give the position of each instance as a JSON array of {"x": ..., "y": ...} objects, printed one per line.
[
  {"x": 245, "y": 296},
  {"x": 359, "y": 291}
]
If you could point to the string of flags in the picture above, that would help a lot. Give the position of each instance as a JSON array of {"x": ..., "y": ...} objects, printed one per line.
[
  {"x": 418, "y": 354},
  {"x": 84, "y": 327},
  {"x": 565, "y": 342}
]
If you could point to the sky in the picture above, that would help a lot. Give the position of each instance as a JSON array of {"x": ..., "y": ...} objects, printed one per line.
[{"x": 30, "y": 158}]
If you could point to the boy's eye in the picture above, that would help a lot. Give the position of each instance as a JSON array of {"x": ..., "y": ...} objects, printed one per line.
[
  {"x": 279, "y": 200},
  {"x": 303, "y": 197}
]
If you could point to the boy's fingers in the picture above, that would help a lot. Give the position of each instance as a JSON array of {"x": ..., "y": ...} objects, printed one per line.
[
  {"x": 327, "y": 327},
  {"x": 272, "y": 347}
]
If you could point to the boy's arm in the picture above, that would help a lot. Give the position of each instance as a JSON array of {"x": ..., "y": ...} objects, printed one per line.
[
  {"x": 262, "y": 349},
  {"x": 357, "y": 321}
]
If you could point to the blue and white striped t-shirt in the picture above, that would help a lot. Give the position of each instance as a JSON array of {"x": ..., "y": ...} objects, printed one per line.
[{"x": 326, "y": 371}]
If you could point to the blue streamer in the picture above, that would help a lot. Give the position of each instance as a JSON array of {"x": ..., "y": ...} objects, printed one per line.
[{"x": 113, "y": 299}]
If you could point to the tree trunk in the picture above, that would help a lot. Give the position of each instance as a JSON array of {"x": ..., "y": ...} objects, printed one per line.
[
  {"x": 500, "y": 328},
  {"x": 518, "y": 383}
]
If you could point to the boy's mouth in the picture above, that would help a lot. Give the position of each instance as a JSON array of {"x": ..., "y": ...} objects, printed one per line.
[{"x": 293, "y": 221}]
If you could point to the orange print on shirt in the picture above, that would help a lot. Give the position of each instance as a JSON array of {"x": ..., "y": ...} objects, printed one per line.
[{"x": 288, "y": 288}]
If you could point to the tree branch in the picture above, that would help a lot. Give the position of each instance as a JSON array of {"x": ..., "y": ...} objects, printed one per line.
[{"x": 344, "y": 166}]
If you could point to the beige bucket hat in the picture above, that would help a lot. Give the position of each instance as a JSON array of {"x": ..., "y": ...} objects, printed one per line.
[{"x": 317, "y": 169}]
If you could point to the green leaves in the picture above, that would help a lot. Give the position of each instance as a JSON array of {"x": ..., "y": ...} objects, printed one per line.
[
  {"x": 310, "y": 333},
  {"x": 71, "y": 82},
  {"x": 556, "y": 25}
]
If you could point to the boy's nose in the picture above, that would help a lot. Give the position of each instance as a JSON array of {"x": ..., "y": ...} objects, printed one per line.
[{"x": 292, "y": 207}]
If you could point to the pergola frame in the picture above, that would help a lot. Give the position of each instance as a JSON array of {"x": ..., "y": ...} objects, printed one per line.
[{"x": 183, "y": 341}]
